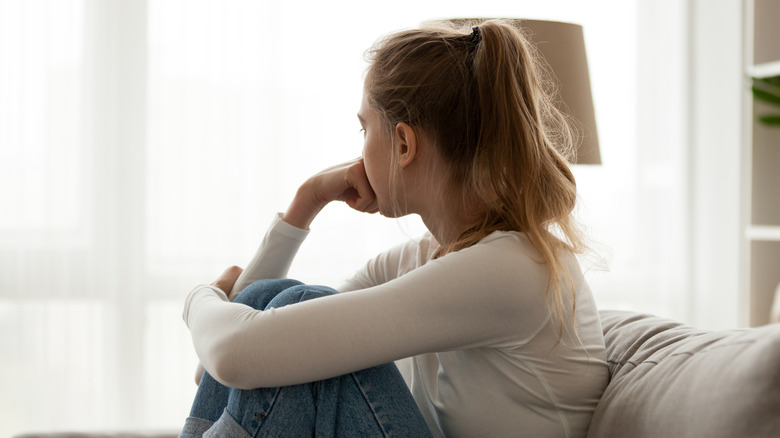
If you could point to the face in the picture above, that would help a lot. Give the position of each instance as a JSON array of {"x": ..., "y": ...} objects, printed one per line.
[{"x": 376, "y": 155}]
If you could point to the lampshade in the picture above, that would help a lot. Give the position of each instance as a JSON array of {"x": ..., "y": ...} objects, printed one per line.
[{"x": 562, "y": 46}]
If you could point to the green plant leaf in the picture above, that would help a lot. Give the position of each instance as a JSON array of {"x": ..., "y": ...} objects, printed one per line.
[
  {"x": 771, "y": 84},
  {"x": 772, "y": 81},
  {"x": 771, "y": 120},
  {"x": 767, "y": 90},
  {"x": 765, "y": 96}
]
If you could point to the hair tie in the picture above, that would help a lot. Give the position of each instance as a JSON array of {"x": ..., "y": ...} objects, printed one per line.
[{"x": 476, "y": 36}]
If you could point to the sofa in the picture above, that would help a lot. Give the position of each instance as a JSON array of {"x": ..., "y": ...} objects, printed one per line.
[
  {"x": 667, "y": 380},
  {"x": 671, "y": 380}
]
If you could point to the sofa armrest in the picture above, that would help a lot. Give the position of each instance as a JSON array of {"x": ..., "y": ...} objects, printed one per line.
[{"x": 669, "y": 379}]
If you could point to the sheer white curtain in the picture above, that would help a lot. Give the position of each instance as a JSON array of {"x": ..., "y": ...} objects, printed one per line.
[{"x": 144, "y": 147}]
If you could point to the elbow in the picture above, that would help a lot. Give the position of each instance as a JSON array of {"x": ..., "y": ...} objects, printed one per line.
[
  {"x": 227, "y": 369},
  {"x": 198, "y": 373},
  {"x": 222, "y": 368}
]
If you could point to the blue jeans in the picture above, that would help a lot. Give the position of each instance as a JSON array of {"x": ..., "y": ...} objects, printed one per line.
[{"x": 374, "y": 402}]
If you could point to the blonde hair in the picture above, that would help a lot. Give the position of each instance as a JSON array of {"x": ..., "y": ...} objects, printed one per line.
[{"x": 480, "y": 97}]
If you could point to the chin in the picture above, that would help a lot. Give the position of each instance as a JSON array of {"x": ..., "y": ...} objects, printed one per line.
[
  {"x": 393, "y": 213},
  {"x": 392, "y": 209}
]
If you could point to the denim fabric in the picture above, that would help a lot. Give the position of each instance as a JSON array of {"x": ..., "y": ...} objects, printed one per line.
[{"x": 368, "y": 403}]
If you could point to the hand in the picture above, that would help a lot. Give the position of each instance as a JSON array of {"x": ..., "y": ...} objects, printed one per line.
[
  {"x": 344, "y": 182},
  {"x": 228, "y": 278}
]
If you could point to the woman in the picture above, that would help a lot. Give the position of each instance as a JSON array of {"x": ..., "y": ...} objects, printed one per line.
[{"x": 490, "y": 306}]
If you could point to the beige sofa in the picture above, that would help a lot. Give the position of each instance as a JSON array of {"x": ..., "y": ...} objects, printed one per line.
[
  {"x": 667, "y": 380},
  {"x": 672, "y": 380}
]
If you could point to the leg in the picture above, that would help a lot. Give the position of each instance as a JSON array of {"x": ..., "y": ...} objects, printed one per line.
[
  {"x": 372, "y": 402},
  {"x": 212, "y": 396}
]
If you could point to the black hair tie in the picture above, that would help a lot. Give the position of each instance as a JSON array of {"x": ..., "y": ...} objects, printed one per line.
[{"x": 476, "y": 36}]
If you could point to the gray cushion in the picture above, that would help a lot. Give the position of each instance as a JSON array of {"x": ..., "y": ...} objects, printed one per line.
[{"x": 672, "y": 380}]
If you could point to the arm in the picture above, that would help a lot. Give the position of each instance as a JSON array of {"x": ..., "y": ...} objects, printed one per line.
[
  {"x": 392, "y": 263},
  {"x": 345, "y": 182},
  {"x": 273, "y": 257},
  {"x": 466, "y": 299}
]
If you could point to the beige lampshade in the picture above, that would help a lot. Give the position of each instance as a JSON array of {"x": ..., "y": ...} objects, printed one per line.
[{"x": 562, "y": 45}]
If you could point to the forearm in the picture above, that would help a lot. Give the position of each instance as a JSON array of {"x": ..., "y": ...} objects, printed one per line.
[
  {"x": 274, "y": 255},
  {"x": 432, "y": 308},
  {"x": 209, "y": 316},
  {"x": 345, "y": 182},
  {"x": 303, "y": 208}
]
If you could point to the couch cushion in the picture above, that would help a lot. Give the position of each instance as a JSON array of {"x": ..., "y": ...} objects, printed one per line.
[{"x": 668, "y": 379}]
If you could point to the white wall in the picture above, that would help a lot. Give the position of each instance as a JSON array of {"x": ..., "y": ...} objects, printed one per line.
[{"x": 715, "y": 84}]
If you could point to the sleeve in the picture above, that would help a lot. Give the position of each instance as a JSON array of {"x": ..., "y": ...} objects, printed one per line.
[
  {"x": 378, "y": 270},
  {"x": 274, "y": 256},
  {"x": 462, "y": 300},
  {"x": 272, "y": 260},
  {"x": 392, "y": 263}
]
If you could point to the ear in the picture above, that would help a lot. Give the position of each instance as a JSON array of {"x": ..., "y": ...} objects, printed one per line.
[{"x": 407, "y": 144}]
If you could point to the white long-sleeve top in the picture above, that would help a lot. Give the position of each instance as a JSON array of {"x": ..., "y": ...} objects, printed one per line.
[{"x": 486, "y": 357}]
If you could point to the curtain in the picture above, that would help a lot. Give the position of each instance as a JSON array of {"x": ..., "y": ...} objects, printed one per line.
[{"x": 145, "y": 146}]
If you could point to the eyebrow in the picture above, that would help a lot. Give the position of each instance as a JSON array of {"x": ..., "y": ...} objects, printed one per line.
[{"x": 362, "y": 120}]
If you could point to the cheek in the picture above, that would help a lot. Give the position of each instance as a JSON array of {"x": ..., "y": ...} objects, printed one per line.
[
  {"x": 375, "y": 161},
  {"x": 377, "y": 164},
  {"x": 376, "y": 177}
]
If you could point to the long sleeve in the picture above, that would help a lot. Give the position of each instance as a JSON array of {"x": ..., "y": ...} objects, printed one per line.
[
  {"x": 486, "y": 356},
  {"x": 274, "y": 256},
  {"x": 463, "y": 300},
  {"x": 393, "y": 263},
  {"x": 271, "y": 260}
]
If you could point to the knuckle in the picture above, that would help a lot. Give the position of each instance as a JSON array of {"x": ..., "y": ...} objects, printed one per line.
[{"x": 233, "y": 270}]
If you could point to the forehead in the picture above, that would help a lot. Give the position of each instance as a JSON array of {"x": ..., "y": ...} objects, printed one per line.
[{"x": 366, "y": 112}]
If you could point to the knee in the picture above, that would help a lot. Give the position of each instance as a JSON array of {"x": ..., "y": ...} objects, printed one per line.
[
  {"x": 258, "y": 294},
  {"x": 299, "y": 293}
]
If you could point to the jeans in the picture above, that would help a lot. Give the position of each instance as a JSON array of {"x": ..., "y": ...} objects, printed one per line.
[{"x": 374, "y": 402}]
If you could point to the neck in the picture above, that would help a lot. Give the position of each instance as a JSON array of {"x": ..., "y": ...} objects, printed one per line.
[
  {"x": 447, "y": 219},
  {"x": 429, "y": 192}
]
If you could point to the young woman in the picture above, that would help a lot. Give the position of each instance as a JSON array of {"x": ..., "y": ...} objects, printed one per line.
[{"x": 491, "y": 306}]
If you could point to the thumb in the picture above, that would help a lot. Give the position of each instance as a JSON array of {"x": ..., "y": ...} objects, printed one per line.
[
  {"x": 363, "y": 197},
  {"x": 228, "y": 278}
]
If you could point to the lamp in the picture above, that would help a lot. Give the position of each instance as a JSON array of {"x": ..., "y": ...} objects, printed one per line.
[{"x": 562, "y": 45}]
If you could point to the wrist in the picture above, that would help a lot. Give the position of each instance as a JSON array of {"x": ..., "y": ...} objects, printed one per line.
[{"x": 304, "y": 207}]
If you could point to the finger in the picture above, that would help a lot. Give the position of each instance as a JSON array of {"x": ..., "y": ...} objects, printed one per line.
[
  {"x": 372, "y": 207},
  {"x": 357, "y": 179},
  {"x": 228, "y": 278},
  {"x": 362, "y": 203},
  {"x": 232, "y": 273}
]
